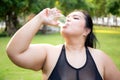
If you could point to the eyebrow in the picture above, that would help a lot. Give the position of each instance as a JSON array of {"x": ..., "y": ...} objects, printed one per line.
[{"x": 75, "y": 15}]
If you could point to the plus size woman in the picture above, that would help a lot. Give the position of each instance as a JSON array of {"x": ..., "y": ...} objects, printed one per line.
[{"x": 76, "y": 59}]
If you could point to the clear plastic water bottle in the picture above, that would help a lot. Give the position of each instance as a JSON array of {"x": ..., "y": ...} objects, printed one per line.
[
  {"x": 57, "y": 16},
  {"x": 61, "y": 20}
]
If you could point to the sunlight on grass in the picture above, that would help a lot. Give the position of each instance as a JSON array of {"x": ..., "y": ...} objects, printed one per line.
[
  {"x": 112, "y": 30},
  {"x": 106, "y": 31}
]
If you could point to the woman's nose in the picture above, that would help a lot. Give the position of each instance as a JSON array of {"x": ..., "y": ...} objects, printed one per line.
[{"x": 68, "y": 19}]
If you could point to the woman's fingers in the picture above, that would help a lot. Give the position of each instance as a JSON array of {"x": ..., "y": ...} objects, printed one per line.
[{"x": 50, "y": 16}]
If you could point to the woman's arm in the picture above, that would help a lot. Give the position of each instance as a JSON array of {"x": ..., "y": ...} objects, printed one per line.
[
  {"x": 19, "y": 49},
  {"x": 110, "y": 70}
]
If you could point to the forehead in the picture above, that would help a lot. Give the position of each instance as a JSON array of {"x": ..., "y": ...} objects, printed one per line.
[{"x": 76, "y": 13}]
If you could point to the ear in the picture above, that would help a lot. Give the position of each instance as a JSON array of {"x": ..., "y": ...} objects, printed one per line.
[{"x": 86, "y": 32}]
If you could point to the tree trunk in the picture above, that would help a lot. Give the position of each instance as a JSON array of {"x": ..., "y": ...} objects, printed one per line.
[
  {"x": 115, "y": 21},
  {"x": 44, "y": 29},
  {"x": 108, "y": 23},
  {"x": 11, "y": 23},
  {"x": 102, "y": 21}
]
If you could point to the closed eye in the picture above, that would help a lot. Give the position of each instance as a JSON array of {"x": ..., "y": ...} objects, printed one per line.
[{"x": 76, "y": 18}]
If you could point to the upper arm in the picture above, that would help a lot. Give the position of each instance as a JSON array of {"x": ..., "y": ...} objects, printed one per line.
[
  {"x": 110, "y": 70},
  {"x": 32, "y": 58}
]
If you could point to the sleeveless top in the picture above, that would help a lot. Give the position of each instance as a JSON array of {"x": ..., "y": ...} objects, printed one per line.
[{"x": 64, "y": 71}]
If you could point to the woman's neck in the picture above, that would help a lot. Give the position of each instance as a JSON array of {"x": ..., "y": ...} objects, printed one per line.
[{"x": 75, "y": 43}]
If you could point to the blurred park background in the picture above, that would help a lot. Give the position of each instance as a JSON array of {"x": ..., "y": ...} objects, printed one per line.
[{"x": 15, "y": 13}]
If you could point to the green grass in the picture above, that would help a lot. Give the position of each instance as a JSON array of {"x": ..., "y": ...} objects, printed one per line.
[
  {"x": 9, "y": 71},
  {"x": 109, "y": 40},
  {"x": 109, "y": 43}
]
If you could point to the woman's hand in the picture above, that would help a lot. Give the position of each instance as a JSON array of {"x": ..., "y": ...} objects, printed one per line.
[{"x": 50, "y": 16}]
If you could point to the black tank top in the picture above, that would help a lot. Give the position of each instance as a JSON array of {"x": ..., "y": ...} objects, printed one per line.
[{"x": 64, "y": 71}]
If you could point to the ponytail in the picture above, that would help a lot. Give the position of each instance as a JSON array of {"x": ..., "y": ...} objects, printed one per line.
[{"x": 91, "y": 38}]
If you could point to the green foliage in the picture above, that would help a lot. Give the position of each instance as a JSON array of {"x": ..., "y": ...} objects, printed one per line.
[
  {"x": 36, "y": 5},
  {"x": 10, "y": 6},
  {"x": 95, "y": 7},
  {"x": 113, "y": 7},
  {"x": 24, "y": 6},
  {"x": 69, "y": 5},
  {"x": 104, "y": 7},
  {"x": 99, "y": 7},
  {"x": 11, "y": 9}
]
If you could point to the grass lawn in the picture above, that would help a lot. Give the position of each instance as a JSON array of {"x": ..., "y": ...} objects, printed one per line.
[
  {"x": 109, "y": 39},
  {"x": 110, "y": 43}
]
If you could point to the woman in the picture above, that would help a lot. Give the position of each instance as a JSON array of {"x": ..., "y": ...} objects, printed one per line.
[{"x": 74, "y": 60}]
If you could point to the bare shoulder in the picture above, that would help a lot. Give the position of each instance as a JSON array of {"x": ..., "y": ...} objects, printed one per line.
[
  {"x": 53, "y": 53},
  {"x": 47, "y": 47},
  {"x": 109, "y": 69},
  {"x": 98, "y": 57},
  {"x": 97, "y": 52},
  {"x": 53, "y": 50},
  {"x": 50, "y": 48},
  {"x": 101, "y": 55}
]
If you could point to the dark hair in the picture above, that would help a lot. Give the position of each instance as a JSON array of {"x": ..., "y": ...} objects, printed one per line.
[{"x": 91, "y": 39}]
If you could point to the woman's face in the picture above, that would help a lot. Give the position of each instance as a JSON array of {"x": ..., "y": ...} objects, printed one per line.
[{"x": 75, "y": 24}]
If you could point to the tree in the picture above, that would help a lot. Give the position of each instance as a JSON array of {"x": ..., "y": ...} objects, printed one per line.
[
  {"x": 99, "y": 9},
  {"x": 102, "y": 8},
  {"x": 10, "y": 10},
  {"x": 69, "y": 5},
  {"x": 113, "y": 7}
]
